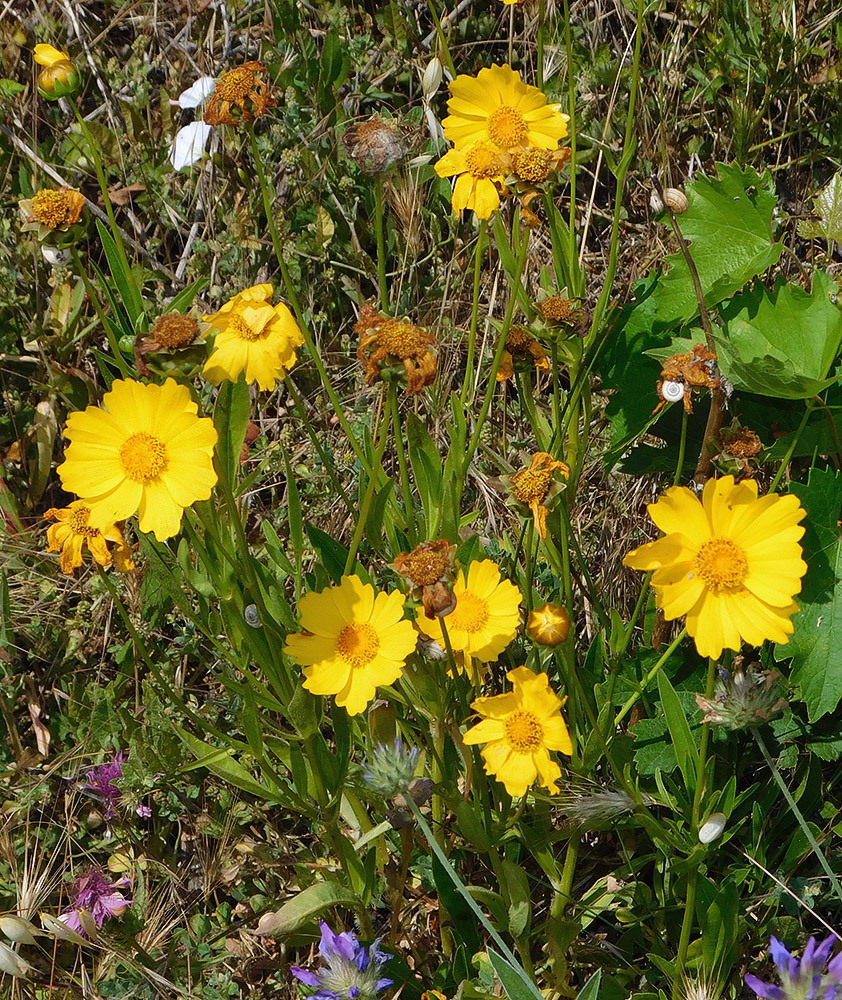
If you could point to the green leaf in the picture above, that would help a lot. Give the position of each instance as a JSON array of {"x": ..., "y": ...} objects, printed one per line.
[
  {"x": 828, "y": 206},
  {"x": 590, "y": 991},
  {"x": 816, "y": 645},
  {"x": 781, "y": 343},
  {"x": 123, "y": 278},
  {"x": 516, "y": 983},
  {"x": 426, "y": 468},
  {"x": 679, "y": 730},
  {"x": 330, "y": 552},
  {"x": 218, "y": 761},
  {"x": 306, "y": 906},
  {"x": 231, "y": 417}
]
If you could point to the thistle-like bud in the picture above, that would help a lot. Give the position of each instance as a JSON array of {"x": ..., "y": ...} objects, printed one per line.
[
  {"x": 748, "y": 697},
  {"x": 390, "y": 768},
  {"x": 59, "y": 77}
]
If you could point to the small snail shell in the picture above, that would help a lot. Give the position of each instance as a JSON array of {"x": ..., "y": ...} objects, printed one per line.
[
  {"x": 712, "y": 828},
  {"x": 251, "y": 616},
  {"x": 676, "y": 200},
  {"x": 672, "y": 391}
]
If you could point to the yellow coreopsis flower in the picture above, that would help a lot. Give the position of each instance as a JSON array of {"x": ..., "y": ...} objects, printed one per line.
[
  {"x": 48, "y": 55},
  {"x": 59, "y": 77},
  {"x": 519, "y": 730},
  {"x": 254, "y": 337},
  {"x": 144, "y": 450},
  {"x": 480, "y": 171},
  {"x": 486, "y": 616},
  {"x": 732, "y": 563},
  {"x": 497, "y": 106},
  {"x": 72, "y": 533},
  {"x": 353, "y": 640}
]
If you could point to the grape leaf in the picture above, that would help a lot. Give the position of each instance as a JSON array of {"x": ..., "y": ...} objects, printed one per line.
[{"x": 828, "y": 206}]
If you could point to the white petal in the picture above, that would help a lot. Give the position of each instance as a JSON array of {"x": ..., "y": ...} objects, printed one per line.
[
  {"x": 193, "y": 96},
  {"x": 189, "y": 145},
  {"x": 712, "y": 828}
]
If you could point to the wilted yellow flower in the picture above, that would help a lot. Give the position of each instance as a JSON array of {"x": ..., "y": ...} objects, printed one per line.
[
  {"x": 144, "y": 450},
  {"x": 353, "y": 641},
  {"x": 241, "y": 95},
  {"x": 533, "y": 488},
  {"x": 53, "y": 213},
  {"x": 731, "y": 563},
  {"x": 73, "y": 533},
  {"x": 548, "y": 625},
  {"x": 497, "y": 106},
  {"x": 480, "y": 171},
  {"x": 254, "y": 337},
  {"x": 486, "y": 616},
  {"x": 521, "y": 344},
  {"x": 403, "y": 342},
  {"x": 428, "y": 571},
  {"x": 519, "y": 730}
]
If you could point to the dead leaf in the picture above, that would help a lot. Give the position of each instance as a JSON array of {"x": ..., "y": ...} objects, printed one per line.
[{"x": 122, "y": 196}]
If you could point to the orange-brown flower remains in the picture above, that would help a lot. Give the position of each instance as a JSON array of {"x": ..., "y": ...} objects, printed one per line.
[
  {"x": 742, "y": 443},
  {"x": 521, "y": 344},
  {"x": 531, "y": 165},
  {"x": 557, "y": 308},
  {"x": 376, "y": 144},
  {"x": 175, "y": 330},
  {"x": 696, "y": 369},
  {"x": 429, "y": 572},
  {"x": 533, "y": 488},
  {"x": 395, "y": 342},
  {"x": 241, "y": 96},
  {"x": 57, "y": 208}
]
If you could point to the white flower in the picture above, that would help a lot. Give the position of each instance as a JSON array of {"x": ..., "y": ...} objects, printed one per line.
[
  {"x": 189, "y": 145},
  {"x": 201, "y": 89}
]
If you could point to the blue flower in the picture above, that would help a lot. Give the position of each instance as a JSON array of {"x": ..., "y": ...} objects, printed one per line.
[
  {"x": 802, "y": 979},
  {"x": 350, "y": 972}
]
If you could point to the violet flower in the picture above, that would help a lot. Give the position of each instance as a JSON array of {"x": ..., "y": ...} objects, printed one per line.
[
  {"x": 101, "y": 781},
  {"x": 101, "y": 898},
  {"x": 804, "y": 978},
  {"x": 350, "y": 972}
]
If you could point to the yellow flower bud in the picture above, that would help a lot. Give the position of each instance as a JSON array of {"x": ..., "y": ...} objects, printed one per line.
[
  {"x": 548, "y": 625},
  {"x": 59, "y": 77}
]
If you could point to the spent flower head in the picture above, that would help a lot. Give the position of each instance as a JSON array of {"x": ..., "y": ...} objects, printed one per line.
[
  {"x": 804, "y": 978},
  {"x": 398, "y": 345},
  {"x": 93, "y": 894},
  {"x": 349, "y": 971},
  {"x": 55, "y": 215},
  {"x": 375, "y": 145},
  {"x": 746, "y": 697},
  {"x": 241, "y": 95},
  {"x": 390, "y": 767}
]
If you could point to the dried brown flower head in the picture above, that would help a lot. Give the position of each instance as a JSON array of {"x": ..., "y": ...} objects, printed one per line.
[
  {"x": 395, "y": 342},
  {"x": 241, "y": 96},
  {"x": 533, "y": 489},
  {"x": 57, "y": 208},
  {"x": 376, "y": 144},
  {"x": 429, "y": 571},
  {"x": 520, "y": 345},
  {"x": 175, "y": 330},
  {"x": 689, "y": 370},
  {"x": 740, "y": 443}
]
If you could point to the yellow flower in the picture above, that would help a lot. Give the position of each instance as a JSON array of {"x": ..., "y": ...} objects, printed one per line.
[
  {"x": 57, "y": 208},
  {"x": 533, "y": 488},
  {"x": 497, "y": 106},
  {"x": 521, "y": 344},
  {"x": 520, "y": 728},
  {"x": 353, "y": 641},
  {"x": 548, "y": 625},
  {"x": 72, "y": 533},
  {"x": 59, "y": 77},
  {"x": 480, "y": 169},
  {"x": 254, "y": 337},
  {"x": 144, "y": 450},
  {"x": 486, "y": 616},
  {"x": 732, "y": 563},
  {"x": 47, "y": 55}
]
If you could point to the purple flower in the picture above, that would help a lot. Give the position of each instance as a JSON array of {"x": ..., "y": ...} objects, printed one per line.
[
  {"x": 144, "y": 812},
  {"x": 101, "y": 898},
  {"x": 101, "y": 781},
  {"x": 349, "y": 972},
  {"x": 802, "y": 979}
]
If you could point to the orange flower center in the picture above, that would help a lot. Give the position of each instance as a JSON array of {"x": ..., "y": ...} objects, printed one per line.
[
  {"x": 531, "y": 484},
  {"x": 722, "y": 564},
  {"x": 143, "y": 457},
  {"x": 470, "y": 614},
  {"x": 507, "y": 127},
  {"x": 424, "y": 565},
  {"x": 238, "y": 326},
  {"x": 519, "y": 339},
  {"x": 532, "y": 165},
  {"x": 78, "y": 522},
  {"x": 524, "y": 732},
  {"x": 358, "y": 644},
  {"x": 403, "y": 340},
  {"x": 483, "y": 161},
  {"x": 56, "y": 208},
  {"x": 175, "y": 330},
  {"x": 556, "y": 307},
  {"x": 235, "y": 84}
]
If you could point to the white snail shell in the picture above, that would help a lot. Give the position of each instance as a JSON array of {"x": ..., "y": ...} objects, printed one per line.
[
  {"x": 672, "y": 391},
  {"x": 677, "y": 200},
  {"x": 251, "y": 616},
  {"x": 55, "y": 256}
]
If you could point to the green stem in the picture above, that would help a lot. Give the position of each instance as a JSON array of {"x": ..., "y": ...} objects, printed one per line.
[
  {"x": 682, "y": 447},
  {"x": 359, "y": 528},
  {"x": 539, "y": 69},
  {"x": 381, "y": 244},
  {"x": 462, "y": 889},
  {"x": 296, "y": 307},
  {"x": 563, "y": 895},
  {"x": 776, "y": 482},
  {"x": 468, "y": 384},
  {"x": 119, "y": 360},
  {"x": 498, "y": 354},
  {"x": 571, "y": 108},
  {"x": 406, "y": 487},
  {"x": 624, "y": 711},
  {"x": 444, "y": 51},
  {"x": 796, "y": 812}
]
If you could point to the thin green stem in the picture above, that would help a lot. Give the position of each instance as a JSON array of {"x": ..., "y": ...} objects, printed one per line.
[
  {"x": 119, "y": 360},
  {"x": 776, "y": 482},
  {"x": 468, "y": 384},
  {"x": 571, "y": 109},
  {"x": 359, "y": 528},
  {"x": 381, "y": 243},
  {"x": 406, "y": 487},
  {"x": 292, "y": 295},
  {"x": 624, "y": 711},
  {"x": 564, "y": 893},
  {"x": 539, "y": 69},
  {"x": 682, "y": 447},
  {"x": 444, "y": 50},
  {"x": 796, "y": 812}
]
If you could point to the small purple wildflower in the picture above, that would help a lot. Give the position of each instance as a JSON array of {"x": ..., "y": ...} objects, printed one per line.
[
  {"x": 101, "y": 780},
  {"x": 802, "y": 979},
  {"x": 101, "y": 898},
  {"x": 350, "y": 972},
  {"x": 144, "y": 812}
]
